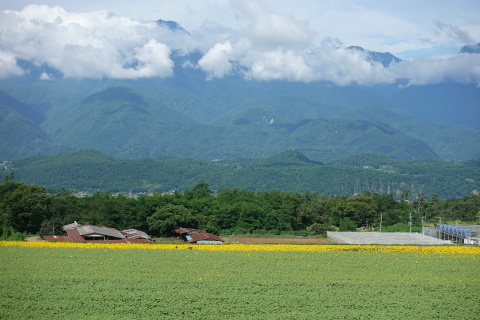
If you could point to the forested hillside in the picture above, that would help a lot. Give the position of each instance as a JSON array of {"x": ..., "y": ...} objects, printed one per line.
[
  {"x": 29, "y": 209},
  {"x": 289, "y": 171}
]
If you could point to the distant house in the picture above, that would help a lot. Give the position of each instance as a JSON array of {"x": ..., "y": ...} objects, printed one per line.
[
  {"x": 89, "y": 233},
  {"x": 136, "y": 234},
  {"x": 198, "y": 236}
]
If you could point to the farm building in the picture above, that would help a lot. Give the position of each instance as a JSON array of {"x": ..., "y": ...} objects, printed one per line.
[
  {"x": 197, "y": 236},
  {"x": 136, "y": 234},
  {"x": 89, "y": 233}
]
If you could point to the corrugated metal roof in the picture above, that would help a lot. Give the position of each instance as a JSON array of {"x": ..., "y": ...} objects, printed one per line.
[
  {"x": 185, "y": 230},
  {"x": 75, "y": 229},
  {"x": 64, "y": 238},
  {"x": 203, "y": 236},
  {"x": 73, "y": 232},
  {"x": 194, "y": 235},
  {"x": 136, "y": 234},
  {"x": 95, "y": 231},
  {"x": 92, "y": 231}
]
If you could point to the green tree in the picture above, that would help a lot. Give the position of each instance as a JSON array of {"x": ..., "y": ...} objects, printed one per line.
[
  {"x": 361, "y": 209},
  {"x": 201, "y": 190},
  {"x": 170, "y": 217},
  {"x": 385, "y": 203},
  {"x": 312, "y": 212},
  {"x": 347, "y": 224},
  {"x": 318, "y": 229},
  {"x": 23, "y": 206}
]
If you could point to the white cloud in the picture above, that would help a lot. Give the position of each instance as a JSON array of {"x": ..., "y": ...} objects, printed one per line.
[
  {"x": 92, "y": 44},
  {"x": 216, "y": 62},
  {"x": 277, "y": 64},
  {"x": 343, "y": 66},
  {"x": 8, "y": 65},
  {"x": 151, "y": 60},
  {"x": 45, "y": 76},
  {"x": 462, "y": 68},
  {"x": 270, "y": 42},
  {"x": 452, "y": 32}
]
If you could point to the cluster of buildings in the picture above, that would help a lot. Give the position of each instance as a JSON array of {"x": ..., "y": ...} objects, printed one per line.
[{"x": 90, "y": 233}]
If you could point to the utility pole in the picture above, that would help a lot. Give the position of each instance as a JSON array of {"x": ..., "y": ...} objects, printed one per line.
[
  {"x": 410, "y": 223},
  {"x": 381, "y": 218},
  {"x": 440, "y": 218}
]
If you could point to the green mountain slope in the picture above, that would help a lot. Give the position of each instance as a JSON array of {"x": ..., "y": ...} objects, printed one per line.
[
  {"x": 329, "y": 139},
  {"x": 286, "y": 158},
  {"x": 448, "y": 141},
  {"x": 20, "y": 135},
  {"x": 127, "y": 124},
  {"x": 89, "y": 170},
  {"x": 116, "y": 120},
  {"x": 446, "y": 103},
  {"x": 187, "y": 116},
  {"x": 321, "y": 140}
]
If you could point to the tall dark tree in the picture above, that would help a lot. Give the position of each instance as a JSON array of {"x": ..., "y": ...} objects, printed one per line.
[{"x": 23, "y": 206}]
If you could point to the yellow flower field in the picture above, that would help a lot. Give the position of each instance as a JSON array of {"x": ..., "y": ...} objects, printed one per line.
[{"x": 255, "y": 247}]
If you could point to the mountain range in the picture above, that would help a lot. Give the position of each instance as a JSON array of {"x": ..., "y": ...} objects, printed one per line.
[{"x": 190, "y": 116}]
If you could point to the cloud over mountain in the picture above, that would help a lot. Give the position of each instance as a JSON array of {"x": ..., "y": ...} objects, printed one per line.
[
  {"x": 8, "y": 65},
  {"x": 91, "y": 44},
  {"x": 216, "y": 61},
  {"x": 267, "y": 46}
]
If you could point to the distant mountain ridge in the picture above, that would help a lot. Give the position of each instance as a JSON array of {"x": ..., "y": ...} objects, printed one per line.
[
  {"x": 385, "y": 58},
  {"x": 188, "y": 116},
  {"x": 470, "y": 48},
  {"x": 171, "y": 25}
]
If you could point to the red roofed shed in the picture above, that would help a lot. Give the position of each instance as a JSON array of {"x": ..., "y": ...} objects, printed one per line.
[{"x": 194, "y": 235}]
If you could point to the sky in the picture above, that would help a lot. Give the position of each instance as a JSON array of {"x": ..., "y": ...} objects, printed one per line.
[{"x": 294, "y": 40}]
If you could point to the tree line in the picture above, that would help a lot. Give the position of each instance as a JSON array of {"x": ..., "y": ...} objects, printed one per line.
[{"x": 29, "y": 209}]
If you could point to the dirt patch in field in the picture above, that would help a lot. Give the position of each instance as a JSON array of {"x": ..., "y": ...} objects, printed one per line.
[{"x": 294, "y": 240}]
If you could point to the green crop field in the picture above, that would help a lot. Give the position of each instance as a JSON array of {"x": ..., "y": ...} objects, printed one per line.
[{"x": 103, "y": 283}]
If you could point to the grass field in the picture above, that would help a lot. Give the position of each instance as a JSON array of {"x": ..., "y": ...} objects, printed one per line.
[{"x": 87, "y": 281}]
